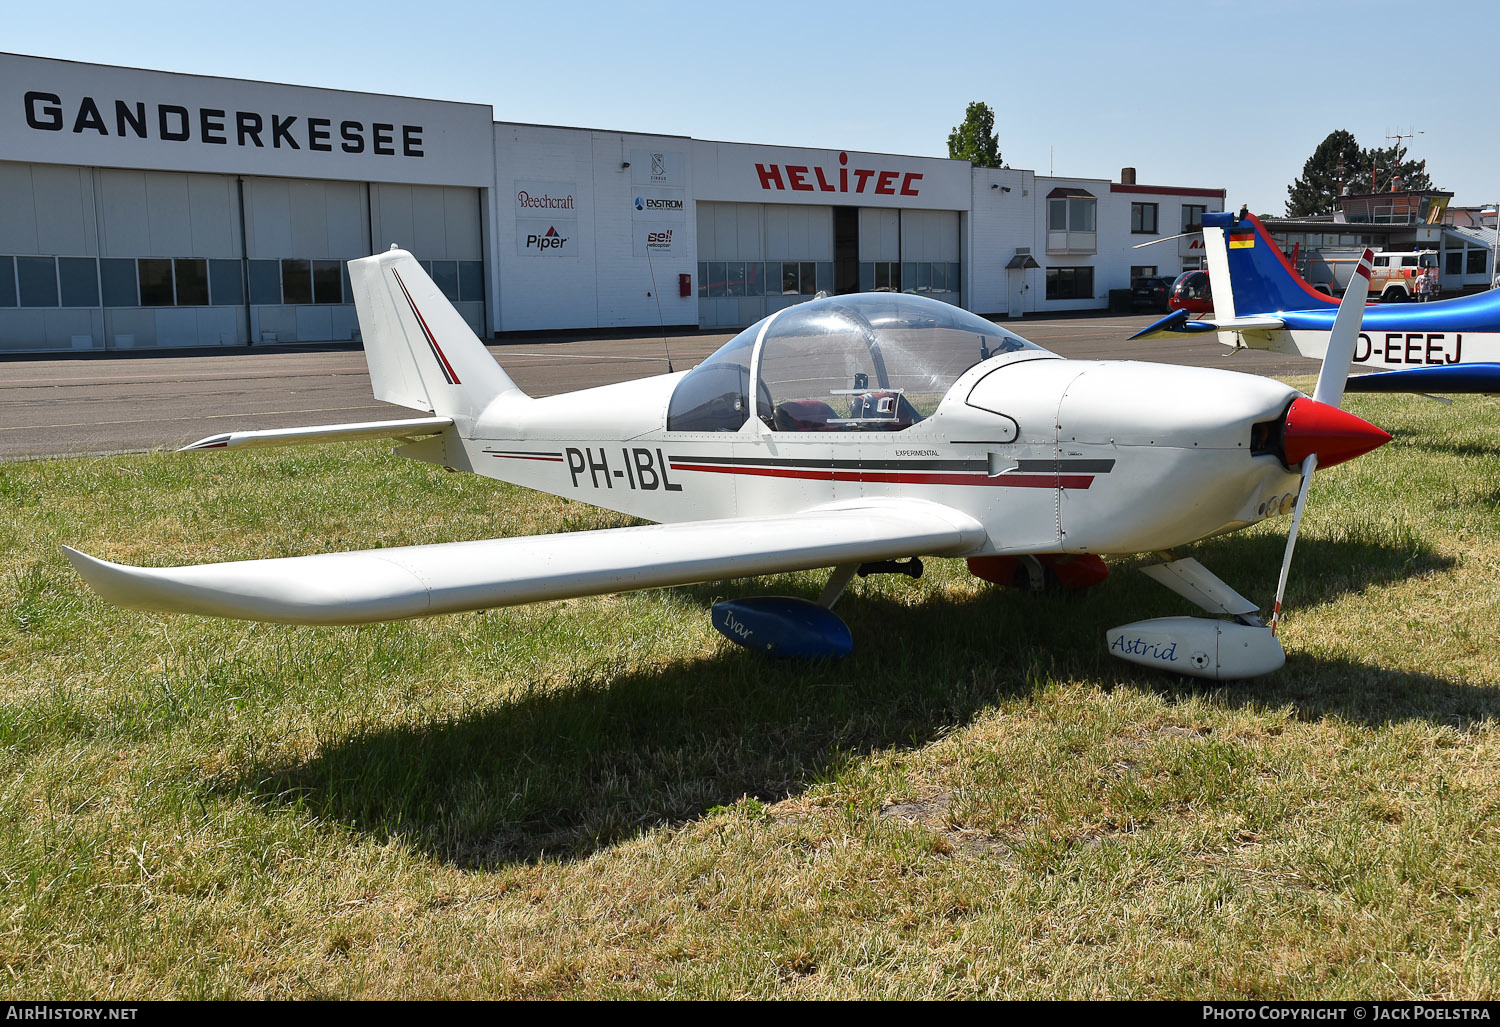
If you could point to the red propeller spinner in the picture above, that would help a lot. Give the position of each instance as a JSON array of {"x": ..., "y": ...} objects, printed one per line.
[{"x": 1335, "y": 435}]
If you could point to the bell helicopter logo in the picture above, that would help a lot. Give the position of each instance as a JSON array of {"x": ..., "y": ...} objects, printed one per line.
[{"x": 548, "y": 240}]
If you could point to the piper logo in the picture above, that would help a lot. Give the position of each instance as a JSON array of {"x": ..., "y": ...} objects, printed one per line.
[{"x": 548, "y": 240}]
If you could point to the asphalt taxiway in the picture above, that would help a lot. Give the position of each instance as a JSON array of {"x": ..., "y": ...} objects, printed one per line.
[{"x": 109, "y": 403}]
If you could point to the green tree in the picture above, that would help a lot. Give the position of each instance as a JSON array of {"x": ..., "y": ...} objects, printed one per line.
[
  {"x": 1332, "y": 164},
  {"x": 1340, "y": 162},
  {"x": 975, "y": 140},
  {"x": 1389, "y": 162}
]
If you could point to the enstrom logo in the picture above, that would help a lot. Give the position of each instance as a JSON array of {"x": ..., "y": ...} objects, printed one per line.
[
  {"x": 652, "y": 203},
  {"x": 549, "y": 240}
]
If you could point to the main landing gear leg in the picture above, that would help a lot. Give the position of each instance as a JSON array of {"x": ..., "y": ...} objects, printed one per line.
[{"x": 837, "y": 582}]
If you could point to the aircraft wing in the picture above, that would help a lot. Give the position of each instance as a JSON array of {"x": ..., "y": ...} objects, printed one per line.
[
  {"x": 1177, "y": 324},
  {"x": 407, "y": 428},
  {"x": 418, "y": 581}
]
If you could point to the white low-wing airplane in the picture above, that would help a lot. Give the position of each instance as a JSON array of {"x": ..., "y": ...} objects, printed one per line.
[{"x": 844, "y": 432}]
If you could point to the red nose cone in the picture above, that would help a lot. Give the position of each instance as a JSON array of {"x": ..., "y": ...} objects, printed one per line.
[{"x": 1335, "y": 435}]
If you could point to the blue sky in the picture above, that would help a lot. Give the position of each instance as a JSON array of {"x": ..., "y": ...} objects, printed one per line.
[{"x": 1201, "y": 94}]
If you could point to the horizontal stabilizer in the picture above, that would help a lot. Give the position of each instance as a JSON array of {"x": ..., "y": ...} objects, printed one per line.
[
  {"x": 1437, "y": 378},
  {"x": 417, "y": 581},
  {"x": 1177, "y": 324},
  {"x": 410, "y": 428}
]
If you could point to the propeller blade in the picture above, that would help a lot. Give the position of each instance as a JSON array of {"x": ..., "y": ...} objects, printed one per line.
[
  {"x": 1341, "y": 340},
  {"x": 1308, "y": 466},
  {"x": 1168, "y": 238}
]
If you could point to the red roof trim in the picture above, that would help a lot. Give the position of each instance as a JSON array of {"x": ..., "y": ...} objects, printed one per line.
[{"x": 1164, "y": 190}]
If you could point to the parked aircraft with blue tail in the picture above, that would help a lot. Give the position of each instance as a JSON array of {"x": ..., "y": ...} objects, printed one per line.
[{"x": 1261, "y": 302}]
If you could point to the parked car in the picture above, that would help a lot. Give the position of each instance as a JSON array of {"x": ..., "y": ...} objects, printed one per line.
[{"x": 1150, "y": 293}]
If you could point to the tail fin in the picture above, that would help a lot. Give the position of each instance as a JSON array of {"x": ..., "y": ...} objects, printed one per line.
[
  {"x": 421, "y": 352},
  {"x": 1249, "y": 273}
]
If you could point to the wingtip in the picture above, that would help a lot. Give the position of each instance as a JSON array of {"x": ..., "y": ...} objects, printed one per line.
[
  {"x": 88, "y": 567},
  {"x": 1171, "y": 324},
  {"x": 212, "y": 442}
]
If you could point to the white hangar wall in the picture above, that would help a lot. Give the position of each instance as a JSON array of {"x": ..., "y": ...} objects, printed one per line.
[
  {"x": 1003, "y": 225},
  {"x": 776, "y": 225},
  {"x": 593, "y": 228},
  {"x": 152, "y": 209},
  {"x": 146, "y": 208}
]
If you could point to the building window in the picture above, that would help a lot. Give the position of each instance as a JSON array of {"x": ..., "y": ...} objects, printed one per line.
[
  {"x": 881, "y": 276},
  {"x": 156, "y": 283},
  {"x": 1143, "y": 218},
  {"x": 470, "y": 279},
  {"x": 1192, "y": 217},
  {"x": 734, "y": 278},
  {"x": 192, "y": 282},
  {"x": 1476, "y": 261},
  {"x": 296, "y": 281},
  {"x": 7, "y": 281},
  {"x": 265, "y": 282},
  {"x": 117, "y": 279},
  {"x": 720, "y": 279},
  {"x": 1453, "y": 262},
  {"x": 226, "y": 285},
  {"x": 328, "y": 283},
  {"x": 79, "y": 278},
  {"x": 1070, "y": 283},
  {"x": 1074, "y": 213},
  {"x": 1142, "y": 271},
  {"x": 1071, "y": 221},
  {"x": 37, "y": 277}
]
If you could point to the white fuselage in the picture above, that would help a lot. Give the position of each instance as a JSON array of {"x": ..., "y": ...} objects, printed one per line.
[
  {"x": 1050, "y": 455},
  {"x": 1382, "y": 350}
]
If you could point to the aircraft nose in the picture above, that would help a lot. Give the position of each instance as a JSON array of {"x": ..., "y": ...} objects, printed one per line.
[{"x": 1334, "y": 434}]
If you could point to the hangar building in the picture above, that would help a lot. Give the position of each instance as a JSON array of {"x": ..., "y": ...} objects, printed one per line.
[{"x": 156, "y": 209}]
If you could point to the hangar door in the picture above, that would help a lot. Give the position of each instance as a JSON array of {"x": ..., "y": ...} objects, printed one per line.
[{"x": 754, "y": 259}]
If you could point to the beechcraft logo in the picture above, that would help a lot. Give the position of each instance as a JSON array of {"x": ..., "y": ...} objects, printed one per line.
[{"x": 548, "y": 240}]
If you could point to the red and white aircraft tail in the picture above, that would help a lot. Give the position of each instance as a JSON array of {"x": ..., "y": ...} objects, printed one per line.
[{"x": 421, "y": 352}]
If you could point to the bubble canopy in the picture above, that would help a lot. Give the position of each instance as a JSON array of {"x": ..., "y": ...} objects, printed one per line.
[{"x": 864, "y": 362}]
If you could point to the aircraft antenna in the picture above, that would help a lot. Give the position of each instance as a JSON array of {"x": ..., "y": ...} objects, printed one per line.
[{"x": 660, "y": 318}]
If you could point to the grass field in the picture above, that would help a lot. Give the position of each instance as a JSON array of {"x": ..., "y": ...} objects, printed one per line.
[{"x": 602, "y": 798}]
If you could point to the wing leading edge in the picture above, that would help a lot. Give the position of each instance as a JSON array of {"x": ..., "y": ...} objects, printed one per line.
[{"x": 418, "y": 581}]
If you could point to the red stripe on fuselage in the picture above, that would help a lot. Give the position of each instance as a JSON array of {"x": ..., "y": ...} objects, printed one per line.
[{"x": 1019, "y": 481}]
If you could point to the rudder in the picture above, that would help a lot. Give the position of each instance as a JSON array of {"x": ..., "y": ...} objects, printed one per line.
[
  {"x": 1249, "y": 273},
  {"x": 420, "y": 351}
]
